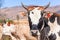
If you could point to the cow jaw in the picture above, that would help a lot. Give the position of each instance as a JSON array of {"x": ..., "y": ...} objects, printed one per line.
[{"x": 35, "y": 15}]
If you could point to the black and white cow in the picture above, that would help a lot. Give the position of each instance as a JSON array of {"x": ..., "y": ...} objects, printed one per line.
[
  {"x": 51, "y": 30},
  {"x": 35, "y": 17},
  {"x": 53, "y": 22}
]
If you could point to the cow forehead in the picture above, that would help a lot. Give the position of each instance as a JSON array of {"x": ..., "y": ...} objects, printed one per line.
[
  {"x": 35, "y": 15},
  {"x": 36, "y": 10},
  {"x": 33, "y": 7}
]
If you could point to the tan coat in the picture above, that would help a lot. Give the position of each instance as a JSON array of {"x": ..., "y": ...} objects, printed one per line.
[{"x": 0, "y": 31}]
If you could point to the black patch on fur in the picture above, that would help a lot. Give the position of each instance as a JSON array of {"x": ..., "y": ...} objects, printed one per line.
[
  {"x": 44, "y": 33},
  {"x": 52, "y": 18},
  {"x": 40, "y": 24},
  {"x": 29, "y": 20},
  {"x": 30, "y": 23},
  {"x": 52, "y": 37},
  {"x": 59, "y": 33},
  {"x": 45, "y": 22},
  {"x": 32, "y": 27},
  {"x": 58, "y": 20}
]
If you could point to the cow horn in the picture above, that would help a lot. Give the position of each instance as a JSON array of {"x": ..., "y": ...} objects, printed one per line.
[
  {"x": 47, "y": 5},
  {"x": 24, "y": 6}
]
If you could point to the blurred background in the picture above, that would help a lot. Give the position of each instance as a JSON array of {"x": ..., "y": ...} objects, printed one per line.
[{"x": 14, "y": 7}]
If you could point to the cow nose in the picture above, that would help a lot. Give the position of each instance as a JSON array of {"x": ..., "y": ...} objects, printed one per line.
[{"x": 34, "y": 27}]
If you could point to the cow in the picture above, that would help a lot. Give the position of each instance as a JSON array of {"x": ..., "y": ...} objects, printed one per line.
[
  {"x": 52, "y": 31},
  {"x": 35, "y": 17}
]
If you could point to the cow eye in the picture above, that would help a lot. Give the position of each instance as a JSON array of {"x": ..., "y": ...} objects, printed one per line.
[{"x": 32, "y": 12}]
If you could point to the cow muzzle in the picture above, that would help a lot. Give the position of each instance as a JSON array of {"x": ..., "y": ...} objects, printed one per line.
[
  {"x": 34, "y": 27},
  {"x": 34, "y": 30}
]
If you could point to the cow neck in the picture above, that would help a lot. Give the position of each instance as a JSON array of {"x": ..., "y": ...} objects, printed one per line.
[{"x": 40, "y": 25}]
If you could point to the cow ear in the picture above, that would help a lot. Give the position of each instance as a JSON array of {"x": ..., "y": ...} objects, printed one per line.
[
  {"x": 48, "y": 14},
  {"x": 23, "y": 14}
]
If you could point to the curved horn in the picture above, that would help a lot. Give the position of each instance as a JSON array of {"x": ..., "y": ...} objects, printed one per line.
[
  {"x": 47, "y": 5},
  {"x": 24, "y": 7}
]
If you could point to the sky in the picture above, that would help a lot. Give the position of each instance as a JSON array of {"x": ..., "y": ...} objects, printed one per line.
[{"x": 12, "y": 3}]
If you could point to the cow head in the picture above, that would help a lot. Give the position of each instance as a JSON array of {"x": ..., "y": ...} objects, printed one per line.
[
  {"x": 35, "y": 14},
  {"x": 47, "y": 14}
]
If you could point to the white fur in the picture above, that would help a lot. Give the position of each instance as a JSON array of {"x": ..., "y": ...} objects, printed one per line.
[
  {"x": 54, "y": 28},
  {"x": 36, "y": 16}
]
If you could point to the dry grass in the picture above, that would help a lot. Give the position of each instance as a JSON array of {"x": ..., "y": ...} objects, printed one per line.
[{"x": 23, "y": 30}]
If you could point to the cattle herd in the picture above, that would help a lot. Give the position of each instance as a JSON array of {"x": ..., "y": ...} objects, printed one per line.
[
  {"x": 41, "y": 25},
  {"x": 44, "y": 24}
]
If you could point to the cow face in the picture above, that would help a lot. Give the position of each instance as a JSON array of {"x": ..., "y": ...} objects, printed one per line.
[{"x": 35, "y": 14}]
